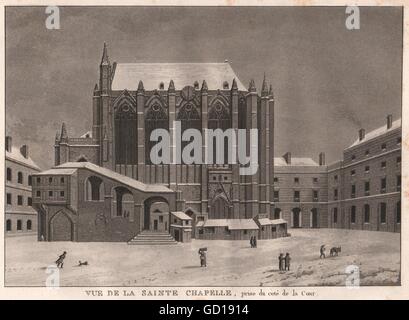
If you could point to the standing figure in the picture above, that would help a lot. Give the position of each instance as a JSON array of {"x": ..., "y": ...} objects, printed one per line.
[
  {"x": 60, "y": 260},
  {"x": 322, "y": 251},
  {"x": 287, "y": 261},
  {"x": 251, "y": 242},
  {"x": 202, "y": 254},
  {"x": 281, "y": 262},
  {"x": 255, "y": 241}
]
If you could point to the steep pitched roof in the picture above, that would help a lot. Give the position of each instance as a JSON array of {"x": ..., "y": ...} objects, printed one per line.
[
  {"x": 15, "y": 155},
  {"x": 377, "y": 132},
  {"x": 128, "y": 75},
  {"x": 115, "y": 176}
]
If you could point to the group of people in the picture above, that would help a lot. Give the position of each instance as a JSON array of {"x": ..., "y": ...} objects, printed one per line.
[
  {"x": 253, "y": 241},
  {"x": 284, "y": 262}
]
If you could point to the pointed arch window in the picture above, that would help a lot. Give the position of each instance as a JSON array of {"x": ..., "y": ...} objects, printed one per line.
[
  {"x": 219, "y": 118},
  {"x": 125, "y": 134},
  {"x": 156, "y": 118},
  {"x": 189, "y": 117}
]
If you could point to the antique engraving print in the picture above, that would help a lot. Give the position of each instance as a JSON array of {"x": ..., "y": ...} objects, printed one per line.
[{"x": 180, "y": 146}]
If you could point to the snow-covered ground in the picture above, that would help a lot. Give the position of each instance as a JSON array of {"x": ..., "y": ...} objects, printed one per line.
[{"x": 230, "y": 263}]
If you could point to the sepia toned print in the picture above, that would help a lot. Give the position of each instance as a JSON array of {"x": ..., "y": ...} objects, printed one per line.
[{"x": 203, "y": 147}]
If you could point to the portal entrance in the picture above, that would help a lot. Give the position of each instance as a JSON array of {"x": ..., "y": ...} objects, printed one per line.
[
  {"x": 156, "y": 214},
  {"x": 296, "y": 218},
  {"x": 314, "y": 218},
  {"x": 219, "y": 209}
]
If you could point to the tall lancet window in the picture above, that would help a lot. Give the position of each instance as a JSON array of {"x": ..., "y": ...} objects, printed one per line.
[
  {"x": 156, "y": 118},
  {"x": 125, "y": 134},
  {"x": 189, "y": 117},
  {"x": 219, "y": 118}
]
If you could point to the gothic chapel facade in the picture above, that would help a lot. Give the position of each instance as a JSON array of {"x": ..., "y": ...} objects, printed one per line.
[{"x": 132, "y": 99}]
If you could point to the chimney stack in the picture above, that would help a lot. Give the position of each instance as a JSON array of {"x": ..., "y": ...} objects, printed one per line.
[
  {"x": 322, "y": 159},
  {"x": 24, "y": 151},
  {"x": 8, "y": 143},
  {"x": 287, "y": 157},
  {"x": 389, "y": 121},
  {"x": 361, "y": 134}
]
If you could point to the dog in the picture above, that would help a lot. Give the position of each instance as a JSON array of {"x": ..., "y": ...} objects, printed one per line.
[
  {"x": 85, "y": 263},
  {"x": 334, "y": 251}
]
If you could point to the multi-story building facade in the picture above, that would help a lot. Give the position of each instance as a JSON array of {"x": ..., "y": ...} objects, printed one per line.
[
  {"x": 301, "y": 191},
  {"x": 20, "y": 217},
  {"x": 365, "y": 187}
]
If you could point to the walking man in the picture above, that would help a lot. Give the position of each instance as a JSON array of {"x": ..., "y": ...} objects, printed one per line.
[
  {"x": 287, "y": 261},
  {"x": 60, "y": 260},
  {"x": 322, "y": 251}
]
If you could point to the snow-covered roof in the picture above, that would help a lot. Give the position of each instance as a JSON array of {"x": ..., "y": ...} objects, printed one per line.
[
  {"x": 128, "y": 75},
  {"x": 232, "y": 224},
  {"x": 377, "y": 132},
  {"x": 181, "y": 215},
  {"x": 266, "y": 221},
  {"x": 280, "y": 162},
  {"x": 15, "y": 155},
  {"x": 114, "y": 175},
  {"x": 59, "y": 171},
  {"x": 200, "y": 224}
]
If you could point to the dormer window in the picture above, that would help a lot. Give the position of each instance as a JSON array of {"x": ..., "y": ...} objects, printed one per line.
[
  {"x": 353, "y": 157},
  {"x": 225, "y": 85},
  {"x": 161, "y": 86}
]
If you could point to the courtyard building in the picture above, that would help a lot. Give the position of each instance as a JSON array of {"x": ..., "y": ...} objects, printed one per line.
[{"x": 20, "y": 217}]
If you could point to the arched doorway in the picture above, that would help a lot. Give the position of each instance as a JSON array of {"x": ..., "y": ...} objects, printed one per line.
[
  {"x": 61, "y": 227},
  {"x": 123, "y": 204},
  {"x": 154, "y": 209},
  {"x": 220, "y": 208},
  {"x": 94, "y": 189},
  {"x": 314, "y": 218},
  {"x": 296, "y": 218}
]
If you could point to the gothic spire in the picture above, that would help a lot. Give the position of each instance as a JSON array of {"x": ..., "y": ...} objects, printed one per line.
[
  {"x": 264, "y": 88},
  {"x": 64, "y": 135},
  {"x": 270, "y": 92},
  {"x": 234, "y": 84},
  {"x": 204, "y": 86},
  {"x": 171, "y": 86},
  {"x": 140, "y": 86},
  {"x": 105, "y": 59},
  {"x": 95, "y": 89},
  {"x": 57, "y": 136},
  {"x": 252, "y": 86}
]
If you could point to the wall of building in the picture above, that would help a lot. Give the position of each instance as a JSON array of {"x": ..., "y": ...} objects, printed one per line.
[{"x": 20, "y": 218}]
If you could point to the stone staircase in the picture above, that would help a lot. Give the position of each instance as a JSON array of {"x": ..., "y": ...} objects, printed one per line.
[{"x": 148, "y": 237}]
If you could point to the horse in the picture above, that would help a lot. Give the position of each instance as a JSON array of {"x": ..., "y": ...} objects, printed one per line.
[{"x": 334, "y": 251}]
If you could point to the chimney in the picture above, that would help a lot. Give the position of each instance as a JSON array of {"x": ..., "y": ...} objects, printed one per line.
[
  {"x": 389, "y": 121},
  {"x": 322, "y": 159},
  {"x": 8, "y": 143},
  {"x": 287, "y": 157},
  {"x": 24, "y": 151},
  {"x": 361, "y": 134}
]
